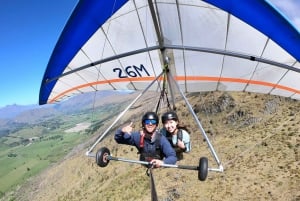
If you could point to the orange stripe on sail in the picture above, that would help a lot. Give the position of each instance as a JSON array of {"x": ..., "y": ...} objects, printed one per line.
[
  {"x": 99, "y": 83},
  {"x": 178, "y": 78},
  {"x": 236, "y": 80}
]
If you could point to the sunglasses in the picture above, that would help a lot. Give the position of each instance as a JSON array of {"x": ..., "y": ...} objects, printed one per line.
[{"x": 150, "y": 121}]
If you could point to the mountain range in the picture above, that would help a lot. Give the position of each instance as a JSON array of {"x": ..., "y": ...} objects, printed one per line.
[
  {"x": 79, "y": 102},
  {"x": 15, "y": 117}
]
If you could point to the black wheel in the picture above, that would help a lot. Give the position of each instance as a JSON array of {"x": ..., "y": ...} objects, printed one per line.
[
  {"x": 203, "y": 168},
  {"x": 101, "y": 157}
]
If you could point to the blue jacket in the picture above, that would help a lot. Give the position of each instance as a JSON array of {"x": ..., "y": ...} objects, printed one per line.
[{"x": 134, "y": 140}]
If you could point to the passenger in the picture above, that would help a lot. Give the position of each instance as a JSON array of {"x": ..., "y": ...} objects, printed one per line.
[
  {"x": 152, "y": 146},
  {"x": 176, "y": 134}
]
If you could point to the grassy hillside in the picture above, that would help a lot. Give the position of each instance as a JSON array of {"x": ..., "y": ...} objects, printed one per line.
[
  {"x": 26, "y": 151},
  {"x": 256, "y": 136}
]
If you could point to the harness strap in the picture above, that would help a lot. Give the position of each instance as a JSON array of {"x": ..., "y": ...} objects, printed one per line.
[
  {"x": 142, "y": 140},
  {"x": 179, "y": 134},
  {"x": 157, "y": 141}
]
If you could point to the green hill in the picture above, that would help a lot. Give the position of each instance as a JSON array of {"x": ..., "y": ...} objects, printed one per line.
[{"x": 256, "y": 137}]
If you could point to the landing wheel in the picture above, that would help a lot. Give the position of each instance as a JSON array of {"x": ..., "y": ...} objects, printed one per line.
[
  {"x": 101, "y": 157},
  {"x": 203, "y": 168}
]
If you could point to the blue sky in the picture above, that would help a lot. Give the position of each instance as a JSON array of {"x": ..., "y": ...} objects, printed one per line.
[{"x": 29, "y": 31}]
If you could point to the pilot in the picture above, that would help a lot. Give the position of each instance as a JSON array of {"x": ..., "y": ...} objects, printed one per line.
[{"x": 152, "y": 146}]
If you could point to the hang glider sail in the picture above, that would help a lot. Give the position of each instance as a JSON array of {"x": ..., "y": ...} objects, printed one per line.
[{"x": 211, "y": 45}]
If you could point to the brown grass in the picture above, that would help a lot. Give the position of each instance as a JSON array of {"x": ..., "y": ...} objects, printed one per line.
[{"x": 256, "y": 137}]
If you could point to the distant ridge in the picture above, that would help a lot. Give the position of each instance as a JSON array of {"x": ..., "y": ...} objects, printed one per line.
[
  {"x": 13, "y": 117},
  {"x": 11, "y": 111},
  {"x": 82, "y": 101}
]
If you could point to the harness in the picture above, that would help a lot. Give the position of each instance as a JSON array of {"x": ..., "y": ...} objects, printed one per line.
[
  {"x": 179, "y": 151},
  {"x": 179, "y": 137},
  {"x": 148, "y": 153}
]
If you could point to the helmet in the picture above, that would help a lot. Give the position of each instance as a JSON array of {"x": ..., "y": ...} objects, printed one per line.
[
  {"x": 169, "y": 116},
  {"x": 150, "y": 115}
]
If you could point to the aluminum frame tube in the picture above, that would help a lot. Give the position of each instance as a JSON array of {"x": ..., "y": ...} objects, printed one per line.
[
  {"x": 198, "y": 123},
  {"x": 178, "y": 47},
  {"x": 185, "y": 167},
  {"x": 121, "y": 114}
]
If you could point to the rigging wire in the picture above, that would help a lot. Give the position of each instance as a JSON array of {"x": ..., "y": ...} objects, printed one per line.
[
  {"x": 93, "y": 118},
  {"x": 163, "y": 92}
]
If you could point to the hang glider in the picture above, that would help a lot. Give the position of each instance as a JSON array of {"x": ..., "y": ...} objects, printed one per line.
[
  {"x": 208, "y": 45},
  {"x": 212, "y": 45}
]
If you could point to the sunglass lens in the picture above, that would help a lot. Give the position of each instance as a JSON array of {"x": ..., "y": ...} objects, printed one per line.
[{"x": 150, "y": 121}]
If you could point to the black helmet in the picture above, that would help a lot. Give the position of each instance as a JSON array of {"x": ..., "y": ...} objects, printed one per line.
[
  {"x": 169, "y": 116},
  {"x": 150, "y": 115}
]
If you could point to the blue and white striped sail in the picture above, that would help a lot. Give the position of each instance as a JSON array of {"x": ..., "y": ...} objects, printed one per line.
[{"x": 231, "y": 45}]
